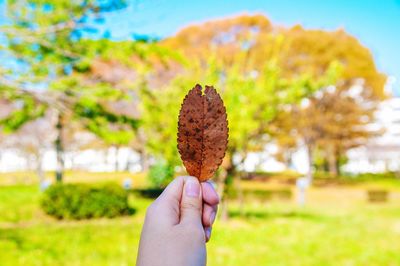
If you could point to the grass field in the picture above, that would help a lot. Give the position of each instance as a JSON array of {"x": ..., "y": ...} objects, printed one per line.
[{"x": 337, "y": 227}]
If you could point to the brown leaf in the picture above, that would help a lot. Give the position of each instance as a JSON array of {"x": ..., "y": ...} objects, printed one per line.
[{"x": 202, "y": 132}]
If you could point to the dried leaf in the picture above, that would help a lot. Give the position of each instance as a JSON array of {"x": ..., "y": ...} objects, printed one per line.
[{"x": 202, "y": 132}]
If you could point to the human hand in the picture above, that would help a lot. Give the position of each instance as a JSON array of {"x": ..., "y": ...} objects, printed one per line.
[{"x": 178, "y": 224}]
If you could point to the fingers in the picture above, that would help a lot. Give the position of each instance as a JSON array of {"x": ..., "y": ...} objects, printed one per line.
[
  {"x": 210, "y": 196},
  {"x": 192, "y": 201},
  {"x": 174, "y": 190},
  {"x": 185, "y": 200},
  {"x": 167, "y": 204},
  {"x": 207, "y": 232},
  {"x": 209, "y": 214},
  {"x": 210, "y": 207}
]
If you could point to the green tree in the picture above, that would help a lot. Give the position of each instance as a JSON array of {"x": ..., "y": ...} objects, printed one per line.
[
  {"x": 252, "y": 102},
  {"x": 44, "y": 42}
]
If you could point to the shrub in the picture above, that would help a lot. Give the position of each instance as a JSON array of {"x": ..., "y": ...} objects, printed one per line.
[
  {"x": 80, "y": 201},
  {"x": 161, "y": 174},
  {"x": 262, "y": 194},
  {"x": 377, "y": 195},
  {"x": 148, "y": 193}
]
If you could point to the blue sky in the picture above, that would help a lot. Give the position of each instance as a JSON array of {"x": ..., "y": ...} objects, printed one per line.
[{"x": 375, "y": 23}]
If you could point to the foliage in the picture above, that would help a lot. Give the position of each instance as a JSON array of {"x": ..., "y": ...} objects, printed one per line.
[
  {"x": 265, "y": 175},
  {"x": 79, "y": 201},
  {"x": 161, "y": 174},
  {"x": 312, "y": 51},
  {"x": 251, "y": 103},
  {"x": 261, "y": 195},
  {"x": 297, "y": 50},
  {"x": 127, "y": 93},
  {"x": 282, "y": 67},
  {"x": 329, "y": 124},
  {"x": 25, "y": 109},
  {"x": 148, "y": 193},
  {"x": 46, "y": 40}
]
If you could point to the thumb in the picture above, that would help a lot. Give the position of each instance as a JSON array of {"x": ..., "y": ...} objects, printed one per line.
[{"x": 191, "y": 202}]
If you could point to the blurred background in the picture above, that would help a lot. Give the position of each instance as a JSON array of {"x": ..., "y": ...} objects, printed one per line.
[{"x": 90, "y": 92}]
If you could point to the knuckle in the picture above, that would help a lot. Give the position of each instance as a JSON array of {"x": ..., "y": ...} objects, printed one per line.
[
  {"x": 192, "y": 179},
  {"x": 191, "y": 205}
]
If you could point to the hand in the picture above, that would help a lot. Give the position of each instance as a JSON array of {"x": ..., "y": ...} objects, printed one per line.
[{"x": 178, "y": 224}]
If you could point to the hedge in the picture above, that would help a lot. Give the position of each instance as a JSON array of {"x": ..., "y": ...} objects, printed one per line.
[{"x": 81, "y": 201}]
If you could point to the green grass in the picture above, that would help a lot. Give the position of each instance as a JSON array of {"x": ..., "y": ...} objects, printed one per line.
[
  {"x": 337, "y": 228},
  {"x": 369, "y": 236},
  {"x": 19, "y": 203}
]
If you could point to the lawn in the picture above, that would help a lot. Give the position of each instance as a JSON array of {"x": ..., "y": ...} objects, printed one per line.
[{"x": 337, "y": 227}]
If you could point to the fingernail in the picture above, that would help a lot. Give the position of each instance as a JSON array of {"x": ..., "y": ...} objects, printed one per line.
[
  {"x": 212, "y": 183},
  {"x": 212, "y": 218},
  {"x": 192, "y": 189},
  {"x": 208, "y": 232}
]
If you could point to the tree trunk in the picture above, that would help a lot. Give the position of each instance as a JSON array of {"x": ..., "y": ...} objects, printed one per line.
[
  {"x": 332, "y": 161},
  {"x": 59, "y": 149},
  {"x": 223, "y": 185},
  {"x": 220, "y": 190},
  {"x": 128, "y": 162},
  {"x": 240, "y": 196},
  {"x": 288, "y": 160},
  {"x": 116, "y": 155},
  {"x": 309, "y": 174},
  {"x": 39, "y": 167},
  {"x": 72, "y": 160},
  {"x": 141, "y": 149},
  {"x": 239, "y": 187},
  {"x": 338, "y": 157},
  {"x": 144, "y": 160}
]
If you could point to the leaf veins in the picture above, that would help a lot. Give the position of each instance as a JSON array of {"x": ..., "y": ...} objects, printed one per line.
[{"x": 202, "y": 132}]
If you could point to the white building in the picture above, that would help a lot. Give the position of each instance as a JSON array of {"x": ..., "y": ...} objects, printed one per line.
[{"x": 382, "y": 153}]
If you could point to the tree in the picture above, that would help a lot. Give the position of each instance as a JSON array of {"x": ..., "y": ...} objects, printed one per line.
[
  {"x": 297, "y": 52},
  {"x": 313, "y": 51},
  {"x": 45, "y": 40},
  {"x": 251, "y": 102},
  {"x": 337, "y": 122},
  {"x": 334, "y": 122},
  {"x": 136, "y": 64},
  {"x": 261, "y": 71}
]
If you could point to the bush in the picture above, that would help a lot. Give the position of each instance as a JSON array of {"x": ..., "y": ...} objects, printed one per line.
[
  {"x": 80, "y": 201},
  {"x": 262, "y": 194},
  {"x": 323, "y": 178},
  {"x": 161, "y": 174},
  {"x": 148, "y": 193},
  {"x": 377, "y": 195},
  {"x": 287, "y": 176}
]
